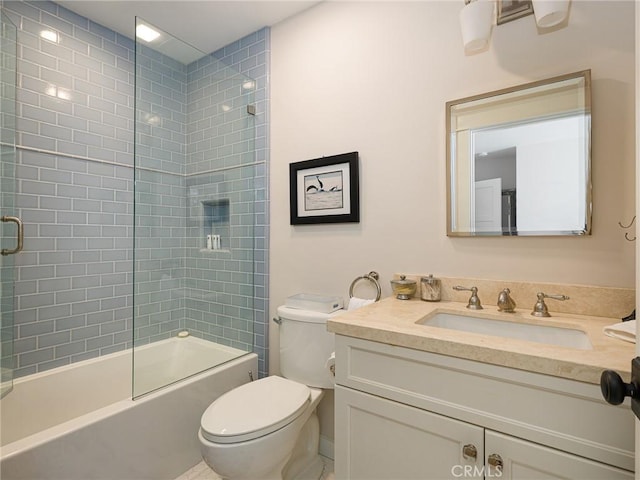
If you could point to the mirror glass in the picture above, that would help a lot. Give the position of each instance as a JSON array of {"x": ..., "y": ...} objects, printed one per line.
[{"x": 518, "y": 160}]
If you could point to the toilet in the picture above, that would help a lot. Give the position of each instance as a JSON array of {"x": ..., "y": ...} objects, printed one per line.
[{"x": 268, "y": 429}]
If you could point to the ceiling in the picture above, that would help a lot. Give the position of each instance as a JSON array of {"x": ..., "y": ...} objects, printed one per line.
[{"x": 207, "y": 25}]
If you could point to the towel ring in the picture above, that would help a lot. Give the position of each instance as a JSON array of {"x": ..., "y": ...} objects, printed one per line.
[{"x": 371, "y": 277}]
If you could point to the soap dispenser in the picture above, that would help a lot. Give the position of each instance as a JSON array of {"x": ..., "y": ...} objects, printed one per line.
[{"x": 430, "y": 289}]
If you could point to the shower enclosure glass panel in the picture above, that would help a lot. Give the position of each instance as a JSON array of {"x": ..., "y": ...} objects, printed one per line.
[
  {"x": 7, "y": 197},
  {"x": 193, "y": 210}
]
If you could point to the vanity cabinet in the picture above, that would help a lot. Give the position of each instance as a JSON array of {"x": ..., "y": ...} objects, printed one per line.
[{"x": 409, "y": 414}]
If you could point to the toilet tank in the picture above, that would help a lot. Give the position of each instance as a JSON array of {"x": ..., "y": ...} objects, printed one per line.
[{"x": 306, "y": 347}]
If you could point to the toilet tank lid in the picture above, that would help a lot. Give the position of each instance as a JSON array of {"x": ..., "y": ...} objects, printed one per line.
[
  {"x": 308, "y": 316},
  {"x": 314, "y": 302},
  {"x": 254, "y": 409}
]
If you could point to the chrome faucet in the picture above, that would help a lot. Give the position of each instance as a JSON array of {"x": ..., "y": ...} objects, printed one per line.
[
  {"x": 474, "y": 300},
  {"x": 540, "y": 308},
  {"x": 505, "y": 302}
]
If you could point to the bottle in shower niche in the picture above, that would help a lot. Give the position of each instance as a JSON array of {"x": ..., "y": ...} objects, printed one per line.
[
  {"x": 430, "y": 289},
  {"x": 209, "y": 242}
]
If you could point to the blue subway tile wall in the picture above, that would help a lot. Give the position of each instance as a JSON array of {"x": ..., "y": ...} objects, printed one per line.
[
  {"x": 220, "y": 282},
  {"x": 251, "y": 57},
  {"x": 74, "y": 289},
  {"x": 221, "y": 171},
  {"x": 74, "y": 277},
  {"x": 159, "y": 255},
  {"x": 160, "y": 200}
]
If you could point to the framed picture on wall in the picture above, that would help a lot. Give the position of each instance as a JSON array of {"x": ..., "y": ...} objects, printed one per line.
[
  {"x": 325, "y": 190},
  {"x": 509, "y": 10}
]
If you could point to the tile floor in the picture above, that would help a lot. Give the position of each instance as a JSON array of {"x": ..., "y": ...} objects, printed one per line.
[{"x": 202, "y": 472}]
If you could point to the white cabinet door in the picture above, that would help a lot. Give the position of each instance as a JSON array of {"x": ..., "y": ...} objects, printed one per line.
[
  {"x": 381, "y": 439},
  {"x": 524, "y": 460}
]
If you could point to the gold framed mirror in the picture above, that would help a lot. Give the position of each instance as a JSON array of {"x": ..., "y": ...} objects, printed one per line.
[{"x": 519, "y": 160}]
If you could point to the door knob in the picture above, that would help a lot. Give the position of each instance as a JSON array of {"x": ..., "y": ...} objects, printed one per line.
[{"x": 614, "y": 389}]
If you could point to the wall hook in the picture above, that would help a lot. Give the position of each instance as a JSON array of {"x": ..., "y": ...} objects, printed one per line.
[
  {"x": 630, "y": 224},
  {"x": 626, "y": 234}
]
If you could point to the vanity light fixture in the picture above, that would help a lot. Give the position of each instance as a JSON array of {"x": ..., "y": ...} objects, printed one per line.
[
  {"x": 550, "y": 13},
  {"x": 146, "y": 33},
  {"x": 477, "y": 18}
]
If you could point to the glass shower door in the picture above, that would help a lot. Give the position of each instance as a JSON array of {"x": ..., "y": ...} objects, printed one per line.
[
  {"x": 9, "y": 236},
  {"x": 194, "y": 217}
]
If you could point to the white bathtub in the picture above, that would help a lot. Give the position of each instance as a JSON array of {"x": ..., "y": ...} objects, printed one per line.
[{"x": 79, "y": 422}]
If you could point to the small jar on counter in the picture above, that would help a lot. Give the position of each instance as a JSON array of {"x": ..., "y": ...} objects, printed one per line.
[
  {"x": 430, "y": 289},
  {"x": 403, "y": 288}
]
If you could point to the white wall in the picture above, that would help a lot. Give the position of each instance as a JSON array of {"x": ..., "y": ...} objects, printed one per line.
[{"x": 374, "y": 77}]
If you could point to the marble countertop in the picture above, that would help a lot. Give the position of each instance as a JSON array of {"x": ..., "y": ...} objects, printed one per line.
[{"x": 397, "y": 322}]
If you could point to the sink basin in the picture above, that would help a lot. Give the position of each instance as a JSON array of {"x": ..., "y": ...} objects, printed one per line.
[{"x": 550, "y": 335}]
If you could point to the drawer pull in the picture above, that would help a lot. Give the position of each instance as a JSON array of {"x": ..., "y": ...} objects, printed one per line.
[
  {"x": 470, "y": 452},
  {"x": 494, "y": 460}
]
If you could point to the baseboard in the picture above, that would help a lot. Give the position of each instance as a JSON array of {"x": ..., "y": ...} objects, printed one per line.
[{"x": 326, "y": 448}]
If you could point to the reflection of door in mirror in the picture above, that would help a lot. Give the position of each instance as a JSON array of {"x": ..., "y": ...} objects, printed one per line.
[
  {"x": 495, "y": 173},
  {"x": 488, "y": 205}
]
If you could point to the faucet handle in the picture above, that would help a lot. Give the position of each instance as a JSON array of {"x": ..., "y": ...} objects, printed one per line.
[
  {"x": 474, "y": 300},
  {"x": 540, "y": 308},
  {"x": 505, "y": 302}
]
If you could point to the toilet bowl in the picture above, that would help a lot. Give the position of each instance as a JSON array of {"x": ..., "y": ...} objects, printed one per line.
[
  {"x": 269, "y": 429},
  {"x": 251, "y": 432}
]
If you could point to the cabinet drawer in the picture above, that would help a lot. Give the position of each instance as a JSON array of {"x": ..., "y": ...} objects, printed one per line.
[{"x": 563, "y": 414}]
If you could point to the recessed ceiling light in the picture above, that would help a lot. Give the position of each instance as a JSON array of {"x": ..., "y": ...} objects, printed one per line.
[{"x": 146, "y": 33}]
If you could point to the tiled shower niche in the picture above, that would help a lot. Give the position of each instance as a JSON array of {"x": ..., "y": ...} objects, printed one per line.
[{"x": 215, "y": 223}]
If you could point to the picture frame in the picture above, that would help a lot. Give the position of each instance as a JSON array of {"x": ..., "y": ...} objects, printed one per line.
[
  {"x": 325, "y": 190},
  {"x": 509, "y": 10}
]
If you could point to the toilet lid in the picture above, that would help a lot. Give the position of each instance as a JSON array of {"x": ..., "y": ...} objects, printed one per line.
[{"x": 254, "y": 409}]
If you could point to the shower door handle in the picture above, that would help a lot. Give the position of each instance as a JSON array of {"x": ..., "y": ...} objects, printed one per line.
[{"x": 18, "y": 222}]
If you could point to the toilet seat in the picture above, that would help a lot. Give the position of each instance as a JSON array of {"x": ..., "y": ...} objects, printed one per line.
[{"x": 254, "y": 409}]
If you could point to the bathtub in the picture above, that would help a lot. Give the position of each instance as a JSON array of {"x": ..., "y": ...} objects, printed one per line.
[{"x": 79, "y": 421}]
